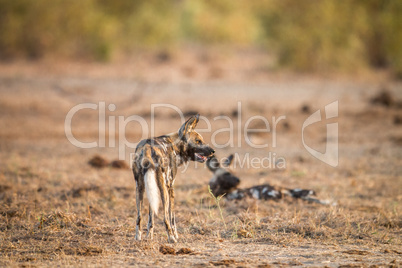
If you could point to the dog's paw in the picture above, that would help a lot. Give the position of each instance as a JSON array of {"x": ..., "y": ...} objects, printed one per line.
[
  {"x": 149, "y": 236},
  {"x": 172, "y": 240},
  {"x": 138, "y": 237}
]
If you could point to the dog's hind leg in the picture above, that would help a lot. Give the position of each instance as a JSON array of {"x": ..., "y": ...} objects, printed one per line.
[
  {"x": 150, "y": 232},
  {"x": 165, "y": 203},
  {"x": 139, "y": 197},
  {"x": 171, "y": 212}
]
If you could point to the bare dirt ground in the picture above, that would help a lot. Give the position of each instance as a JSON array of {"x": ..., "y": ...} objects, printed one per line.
[{"x": 55, "y": 209}]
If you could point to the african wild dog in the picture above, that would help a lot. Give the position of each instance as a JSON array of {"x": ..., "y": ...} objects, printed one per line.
[
  {"x": 155, "y": 166},
  {"x": 225, "y": 183}
]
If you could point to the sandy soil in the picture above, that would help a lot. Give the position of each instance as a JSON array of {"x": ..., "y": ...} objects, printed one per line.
[{"x": 55, "y": 209}]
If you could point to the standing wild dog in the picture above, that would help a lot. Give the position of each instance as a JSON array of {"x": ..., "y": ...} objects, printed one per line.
[{"x": 155, "y": 167}]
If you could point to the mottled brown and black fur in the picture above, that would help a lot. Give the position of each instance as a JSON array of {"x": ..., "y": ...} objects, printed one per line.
[
  {"x": 158, "y": 159},
  {"x": 225, "y": 183}
]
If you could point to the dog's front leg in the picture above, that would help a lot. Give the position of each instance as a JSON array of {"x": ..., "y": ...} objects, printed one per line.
[
  {"x": 165, "y": 203},
  {"x": 139, "y": 197},
  {"x": 171, "y": 212}
]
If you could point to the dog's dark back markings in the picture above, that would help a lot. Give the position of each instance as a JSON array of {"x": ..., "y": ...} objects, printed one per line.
[
  {"x": 155, "y": 167},
  {"x": 225, "y": 183}
]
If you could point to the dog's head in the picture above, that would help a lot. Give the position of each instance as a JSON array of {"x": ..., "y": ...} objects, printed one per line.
[
  {"x": 195, "y": 147},
  {"x": 214, "y": 165},
  {"x": 223, "y": 181}
]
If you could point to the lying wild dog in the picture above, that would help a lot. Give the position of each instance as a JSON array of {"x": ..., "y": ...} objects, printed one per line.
[
  {"x": 225, "y": 183},
  {"x": 155, "y": 166}
]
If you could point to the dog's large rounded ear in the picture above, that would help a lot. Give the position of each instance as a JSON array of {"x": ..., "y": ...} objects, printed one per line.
[
  {"x": 189, "y": 126},
  {"x": 227, "y": 161}
]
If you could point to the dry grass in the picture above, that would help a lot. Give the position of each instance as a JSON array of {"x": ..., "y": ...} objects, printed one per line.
[{"x": 55, "y": 209}]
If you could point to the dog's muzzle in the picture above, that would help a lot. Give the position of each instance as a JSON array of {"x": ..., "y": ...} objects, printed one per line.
[
  {"x": 200, "y": 157},
  {"x": 204, "y": 156}
]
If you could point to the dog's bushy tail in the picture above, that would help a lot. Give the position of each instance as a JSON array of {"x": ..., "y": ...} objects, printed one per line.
[{"x": 151, "y": 187}]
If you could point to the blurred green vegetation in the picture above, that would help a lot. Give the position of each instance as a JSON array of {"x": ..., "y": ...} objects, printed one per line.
[
  {"x": 334, "y": 34},
  {"x": 305, "y": 35}
]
